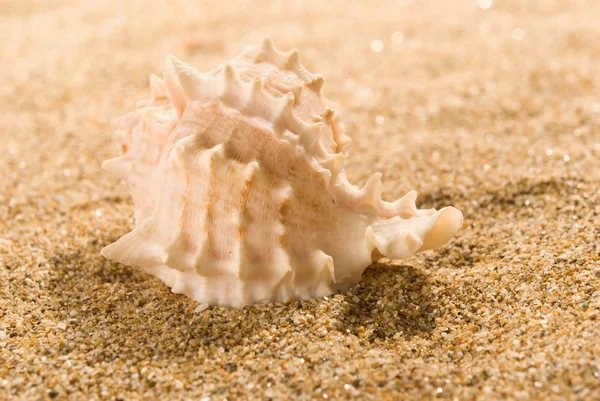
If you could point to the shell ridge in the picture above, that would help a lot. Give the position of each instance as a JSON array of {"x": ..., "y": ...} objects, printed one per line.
[
  {"x": 250, "y": 174},
  {"x": 177, "y": 156},
  {"x": 176, "y": 253},
  {"x": 219, "y": 256},
  {"x": 176, "y": 164},
  {"x": 293, "y": 241},
  {"x": 264, "y": 284},
  {"x": 287, "y": 193},
  {"x": 202, "y": 260}
]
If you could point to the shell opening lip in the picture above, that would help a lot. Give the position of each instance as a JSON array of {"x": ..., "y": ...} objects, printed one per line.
[{"x": 447, "y": 224}]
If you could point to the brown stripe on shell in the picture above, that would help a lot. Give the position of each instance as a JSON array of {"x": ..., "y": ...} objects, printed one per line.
[
  {"x": 228, "y": 179},
  {"x": 261, "y": 227},
  {"x": 219, "y": 131},
  {"x": 196, "y": 119},
  {"x": 239, "y": 148}
]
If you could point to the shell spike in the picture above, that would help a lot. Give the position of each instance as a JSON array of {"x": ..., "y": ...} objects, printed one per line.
[
  {"x": 345, "y": 193},
  {"x": 232, "y": 81},
  {"x": 266, "y": 49},
  {"x": 404, "y": 207},
  {"x": 407, "y": 204},
  {"x": 293, "y": 60},
  {"x": 266, "y": 44},
  {"x": 316, "y": 84},
  {"x": 171, "y": 77},
  {"x": 328, "y": 115},
  {"x": 190, "y": 80},
  {"x": 311, "y": 137},
  {"x": 285, "y": 110},
  {"x": 297, "y": 91},
  {"x": 370, "y": 194},
  {"x": 232, "y": 86},
  {"x": 257, "y": 86}
]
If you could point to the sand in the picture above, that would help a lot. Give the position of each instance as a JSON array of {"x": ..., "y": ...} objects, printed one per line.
[{"x": 493, "y": 110}]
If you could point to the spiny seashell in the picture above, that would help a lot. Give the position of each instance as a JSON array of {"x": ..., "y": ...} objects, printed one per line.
[{"x": 240, "y": 193}]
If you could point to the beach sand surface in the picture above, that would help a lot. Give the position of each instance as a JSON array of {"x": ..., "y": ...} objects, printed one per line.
[{"x": 490, "y": 106}]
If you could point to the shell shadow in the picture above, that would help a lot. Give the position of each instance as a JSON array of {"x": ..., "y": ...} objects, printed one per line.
[
  {"x": 121, "y": 308},
  {"x": 391, "y": 300}
]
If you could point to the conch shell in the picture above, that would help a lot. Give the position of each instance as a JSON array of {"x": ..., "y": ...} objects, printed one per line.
[{"x": 240, "y": 193}]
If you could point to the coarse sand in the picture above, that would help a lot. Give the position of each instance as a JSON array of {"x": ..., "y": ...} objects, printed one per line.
[{"x": 490, "y": 106}]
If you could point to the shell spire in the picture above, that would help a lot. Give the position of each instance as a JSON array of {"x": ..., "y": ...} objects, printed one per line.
[{"x": 240, "y": 193}]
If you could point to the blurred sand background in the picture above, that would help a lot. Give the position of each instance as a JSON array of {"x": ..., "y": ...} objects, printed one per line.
[{"x": 493, "y": 107}]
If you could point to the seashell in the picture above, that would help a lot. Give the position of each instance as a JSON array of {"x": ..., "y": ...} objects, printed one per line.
[{"x": 237, "y": 176}]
